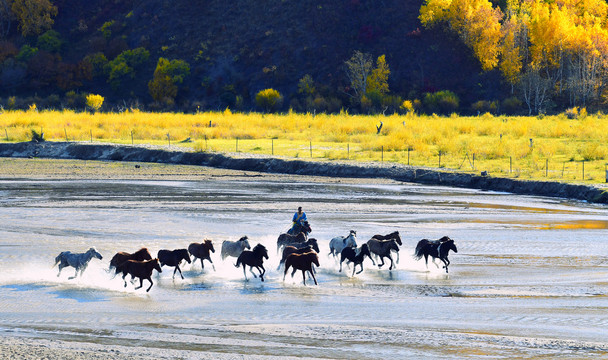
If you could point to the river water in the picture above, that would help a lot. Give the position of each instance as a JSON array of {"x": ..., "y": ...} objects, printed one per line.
[{"x": 529, "y": 280}]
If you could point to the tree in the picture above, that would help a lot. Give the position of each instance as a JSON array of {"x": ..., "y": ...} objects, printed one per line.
[
  {"x": 269, "y": 99},
  {"x": 378, "y": 79},
  {"x": 34, "y": 16},
  {"x": 6, "y": 17},
  {"x": 358, "y": 69},
  {"x": 94, "y": 102},
  {"x": 167, "y": 76}
]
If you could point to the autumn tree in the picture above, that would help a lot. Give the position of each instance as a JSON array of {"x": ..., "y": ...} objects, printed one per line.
[
  {"x": 169, "y": 74},
  {"x": 358, "y": 69},
  {"x": 378, "y": 79},
  {"x": 34, "y": 16},
  {"x": 94, "y": 102}
]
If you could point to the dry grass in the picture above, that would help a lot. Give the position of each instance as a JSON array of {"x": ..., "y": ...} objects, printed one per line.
[{"x": 499, "y": 145}]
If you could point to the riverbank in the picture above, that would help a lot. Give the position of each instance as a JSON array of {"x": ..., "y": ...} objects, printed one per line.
[{"x": 281, "y": 166}]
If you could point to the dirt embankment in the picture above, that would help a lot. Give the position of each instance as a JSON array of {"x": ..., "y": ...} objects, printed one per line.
[{"x": 86, "y": 151}]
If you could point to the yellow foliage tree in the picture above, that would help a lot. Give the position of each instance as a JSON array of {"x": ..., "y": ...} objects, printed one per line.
[
  {"x": 378, "y": 80},
  {"x": 94, "y": 102},
  {"x": 34, "y": 16}
]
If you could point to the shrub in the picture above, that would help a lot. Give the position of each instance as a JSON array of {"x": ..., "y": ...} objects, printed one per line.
[
  {"x": 50, "y": 41},
  {"x": 484, "y": 106},
  {"x": 407, "y": 106},
  {"x": 269, "y": 100},
  {"x": 26, "y": 52},
  {"x": 443, "y": 102},
  {"x": 512, "y": 105},
  {"x": 572, "y": 113},
  {"x": 167, "y": 76},
  {"x": 123, "y": 66}
]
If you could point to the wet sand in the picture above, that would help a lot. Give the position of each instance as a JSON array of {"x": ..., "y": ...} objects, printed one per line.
[{"x": 529, "y": 280}]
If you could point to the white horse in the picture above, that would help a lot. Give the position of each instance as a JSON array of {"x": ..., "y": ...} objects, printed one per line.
[
  {"x": 235, "y": 248},
  {"x": 340, "y": 242},
  {"x": 79, "y": 261}
]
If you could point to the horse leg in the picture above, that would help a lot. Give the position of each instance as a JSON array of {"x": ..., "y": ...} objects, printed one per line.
[
  {"x": 397, "y": 257},
  {"x": 285, "y": 272},
  {"x": 435, "y": 263},
  {"x": 313, "y": 276},
  {"x": 340, "y": 265},
  {"x": 141, "y": 283},
  {"x": 75, "y": 275},
  {"x": 202, "y": 265},
  {"x": 446, "y": 262},
  {"x": 251, "y": 271},
  {"x": 426, "y": 260},
  {"x": 61, "y": 266},
  {"x": 304, "y": 277},
  {"x": 360, "y": 271},
  {"x": 175, "y": 270},
  {"x": 180, "y": 272},
  {"x": 212, "y": 265},
  {"x": 391, "y": 259},
  {"x": 245, "y": 272},
  {"x": 124, "y": 275},
  {"x": 151, "y": 283},
  {"x": 381, "y": 258}
]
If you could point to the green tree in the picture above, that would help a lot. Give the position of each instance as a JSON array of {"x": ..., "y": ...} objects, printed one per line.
[{"x": 168, "y": 75}]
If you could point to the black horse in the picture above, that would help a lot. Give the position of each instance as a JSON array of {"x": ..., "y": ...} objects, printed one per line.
[
  {"x": 435, "y": 249},
  {"x": 350, "y": 254},
  {"x": 173, "y": 258},
  {"x": 253, "y": 258}
]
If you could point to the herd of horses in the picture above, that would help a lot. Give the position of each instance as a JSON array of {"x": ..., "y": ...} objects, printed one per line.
[{"x": 298, "y": 252}]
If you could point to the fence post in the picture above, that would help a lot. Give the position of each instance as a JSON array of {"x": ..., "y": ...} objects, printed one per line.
[
  {"x": 546, "y": 167},
  {"x": 169, "y": 138},
  {"x": 583, "y": 170},
  {"x": 382, "y": 154},
  {"x": 473, "y": 161},
  {"x": 510, "y": 164},
  {"x": 206, "y": 147},
  {"x": 439, "y": 158},
  {"x": 408, "y": 156},
  {"x": 272, "y": 146},
  {"x": 131, "y": 137},
  {"x": 91, "y": 132},
  {"x": 310, "y": 147},
  {"x": 6, "y": 132},
  {"x": 348, "y": 151},
  {"x": 237, "y": 144},
  {"x": 66, "y": 134}
]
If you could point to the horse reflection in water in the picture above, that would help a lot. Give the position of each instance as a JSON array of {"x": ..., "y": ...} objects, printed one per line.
[
  {"x": 79, "y": 261},
  {"x": 253, "y": 258},
  {"x": 436, "y": 249}
]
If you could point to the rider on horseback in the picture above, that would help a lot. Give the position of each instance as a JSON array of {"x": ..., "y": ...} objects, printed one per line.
[{"x": 298, "y": 219}]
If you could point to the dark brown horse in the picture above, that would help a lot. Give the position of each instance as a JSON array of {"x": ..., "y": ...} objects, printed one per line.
[
  {"x": 436, "y": 249},
  {"x": 173, "y": 258},
  {"x": 383, "y": 249},
  {"x": 253, "y": 258},
  {"x": 201, "y": 251},
  {"x": 302, "y": 262},
  {"x": 350, "y": 254},
  {"x": 392, "y": 236},
  {"x": 120, "y": 258},
  {"x": 142, "y": 270}
]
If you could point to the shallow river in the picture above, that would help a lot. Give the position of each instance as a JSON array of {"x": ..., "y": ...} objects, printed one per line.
[{"x": 529, "y": 280}]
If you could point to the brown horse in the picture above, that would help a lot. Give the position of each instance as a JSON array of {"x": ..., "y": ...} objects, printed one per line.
[
  {"x": 302, "y": 262},
  {"x": 173, "y": 258},
  {"x": 142, "y": 270},
  {"x": 201, "y": 251},
  {"x": 392, "y": 236},
  {"x": 288, "y": 250},
  {"x": 120, "y": 258},
  {"x": 350, "y": 254}
]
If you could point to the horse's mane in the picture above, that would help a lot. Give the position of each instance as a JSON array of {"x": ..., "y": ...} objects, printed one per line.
[{"x": 243, "y": 238}]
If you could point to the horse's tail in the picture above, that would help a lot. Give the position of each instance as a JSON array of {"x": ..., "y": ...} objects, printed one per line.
[{"x": 418, "y": 253}]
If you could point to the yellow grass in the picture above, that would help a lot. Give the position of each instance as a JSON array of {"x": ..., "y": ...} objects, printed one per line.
[{"x": 500, "y": 145}]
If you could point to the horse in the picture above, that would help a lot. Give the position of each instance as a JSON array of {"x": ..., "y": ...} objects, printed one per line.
[
  {"x": 121, "y": 257},
  {"x": 340, "y": 242},
  {"x": 173, "y": 258},
  {"x": 234, "y": 248},
  {"x": 79, "y": 261},
  {"x": 287, "y": 239},
  {"x": 302, "y": 262},
  {"x": 253, "y": 258},
  {"x": 310, "y": 242},
  {"x": 201, "y": 251},
  {"x": 356, "y": 256},
  {"x": 142, "y": 270},
  {"x": 435, "y": 249},
  {"x": 383, "y": 248},
  {"x": 304, "y": 227},
  {"x": 392, "y": 236},
  {"x": 288, "y": 250}
]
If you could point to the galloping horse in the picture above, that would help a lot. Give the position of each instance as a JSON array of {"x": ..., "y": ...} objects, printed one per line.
[
  {"x": 435, "y": 249},
  {"x": 79, "y": 261},
  {"x": 173, "y": 258},
  {"x": 392, "y": 236},
  {"x": 300, "y": 227},
  {"x": 120, "y": 258},
  {"x": 302, "y": 262},
  {"x": 383, "y": 249},
  {"x": 234, "y": 248},
  {"x": 253, "y": 258},
  {"x": 340, "y": 242},
  {"x": 287, "y": 239},
  {"x": 201, "y": 251},
  {"x": 288, "y": 250},
  {"x": 350, "y": 254},
  {"x": 142, "y": 270}
]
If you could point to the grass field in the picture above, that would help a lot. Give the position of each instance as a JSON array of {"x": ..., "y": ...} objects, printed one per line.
[{"x": 548, "y": 147}]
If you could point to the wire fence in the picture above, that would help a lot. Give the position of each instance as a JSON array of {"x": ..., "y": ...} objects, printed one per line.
[{"x": 533, "y": 167}]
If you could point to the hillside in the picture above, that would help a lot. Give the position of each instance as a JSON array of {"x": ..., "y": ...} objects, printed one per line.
[{"x": 235, "y": 50}]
